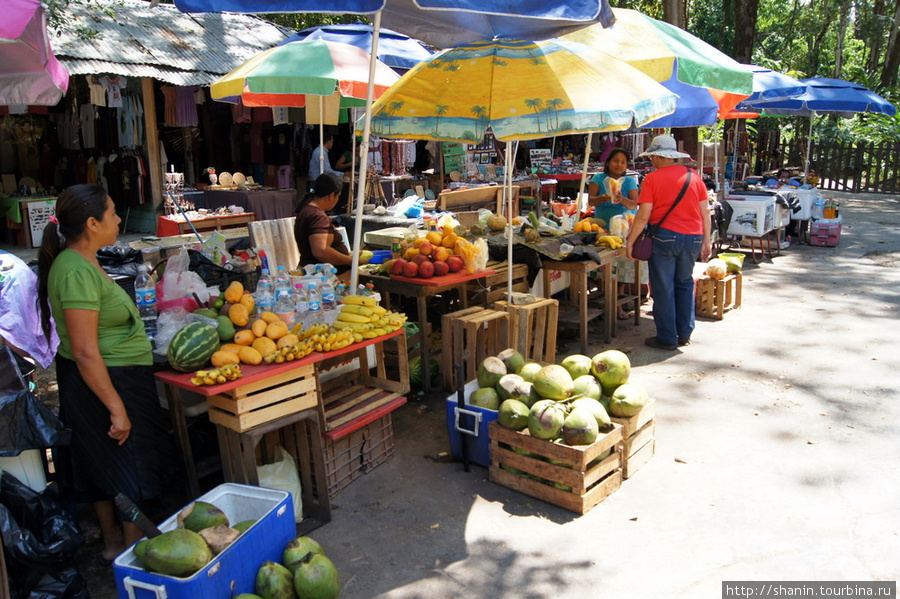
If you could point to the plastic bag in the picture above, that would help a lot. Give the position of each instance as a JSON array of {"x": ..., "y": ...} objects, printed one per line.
[
  {"x": 283, "y": 475},
  {"x": 25, "y": 422},
  {"x": 180, "y": 281},
  {"x": 169, "y": 322},
  {"x": 120, "y": 259},
  {"x": 481, "y": 256},
  {"x": 39, "y": 543}
]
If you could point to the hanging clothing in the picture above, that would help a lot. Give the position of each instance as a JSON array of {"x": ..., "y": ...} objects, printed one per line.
[
  {"x": 186, "y": 107},
  {"x": 113, "y": 84},
  {"x": 88, "y": 127},
  {"x": 97, "y": 93},
  {"x": 170, "y": 113},
  {"x": 241, "y": 113}
]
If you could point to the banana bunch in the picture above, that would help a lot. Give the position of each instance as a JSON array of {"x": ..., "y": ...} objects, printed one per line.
[
  {"x": 217, "y": 376},
  {"x": 303, "y": 334},
  {"x": 610, "y": 241},
  {"x": 367, "y": 322},
  {"x": 289, "y": 353},
  {"x": 359, "y": 300},
  {"x": 332, "y": 339}
]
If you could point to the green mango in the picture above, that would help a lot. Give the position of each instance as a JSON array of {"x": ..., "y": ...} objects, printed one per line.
[{"x": 225, "y": 328}]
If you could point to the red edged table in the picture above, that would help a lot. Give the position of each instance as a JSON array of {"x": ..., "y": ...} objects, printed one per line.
[
  {"x": 167, "y": 226},
  {"x": 291, "y": 397},
  {"x": 422, "y": 289}
]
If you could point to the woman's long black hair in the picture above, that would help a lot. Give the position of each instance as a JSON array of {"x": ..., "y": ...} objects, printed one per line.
[
  {"x": 324, "y": 186},
  {"x": 75, "y": 205}
]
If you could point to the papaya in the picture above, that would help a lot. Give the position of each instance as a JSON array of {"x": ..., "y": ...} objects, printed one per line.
[
  {"x": 263, "y": 345},
  {"x": 268, "y": 316},
  {"x": 234, "y": 292},
  {"x": 248, "y": 302},
  {"x": 244, "y": 338},
  {"x": 287, "y": 341},
  {"x": 258, "y": 327},
  {"x": 248, "y": 355},
  {"x": 276, "y": 330},
  {"x": 239, "y": 314},
  {"x": 220, "y": 358}
]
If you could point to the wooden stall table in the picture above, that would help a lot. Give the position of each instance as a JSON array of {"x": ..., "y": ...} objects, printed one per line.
[
  {"x": 172, "y": 245},
  {"x": 167, "y": 226},
  {"x": 267, "y": 204},
  {"x": 578, "y": 288},
  {"x": 289, "y": 397},
  {"x": 421, "y": 290}
]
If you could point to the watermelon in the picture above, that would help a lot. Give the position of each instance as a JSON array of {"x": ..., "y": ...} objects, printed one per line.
[
  {"x": 192, "y": 347},
  {"x": 415, "y": 370}
]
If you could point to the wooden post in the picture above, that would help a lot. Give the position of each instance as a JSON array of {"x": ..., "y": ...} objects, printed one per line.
[{"x": 153, "y": 168}]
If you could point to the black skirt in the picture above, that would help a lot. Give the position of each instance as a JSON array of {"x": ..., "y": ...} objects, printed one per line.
[{"x": 95, "y": 467}]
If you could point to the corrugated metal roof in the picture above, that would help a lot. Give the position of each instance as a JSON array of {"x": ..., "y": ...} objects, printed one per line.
[{"x": 162, "y": 42}]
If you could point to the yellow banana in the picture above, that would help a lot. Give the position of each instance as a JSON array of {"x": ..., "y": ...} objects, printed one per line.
[
  {"x": 359, "y": 300},
  {"x": 378, "y": 309},
  {"x": 354, "y": 309},
  {"x": 345, "y": 317}
]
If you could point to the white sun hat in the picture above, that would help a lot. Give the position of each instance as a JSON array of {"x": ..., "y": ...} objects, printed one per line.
[{"x": 665, "y": 146}]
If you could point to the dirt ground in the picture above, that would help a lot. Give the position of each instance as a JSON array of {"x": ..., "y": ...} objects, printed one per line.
[{"x": 776, "y": 457}]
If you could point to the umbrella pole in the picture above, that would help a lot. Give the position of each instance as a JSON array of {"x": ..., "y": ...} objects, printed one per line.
[
  {"x": 364, "y": 155},
  {"x": 321, "y": 135},
  {"x": 511, "y": 148},
  {"x": 584, "y": 167},
  {"x": 812, "y": 116},
  {"x": 737, "y": 126},
  {"x": 716, "y": 153}
]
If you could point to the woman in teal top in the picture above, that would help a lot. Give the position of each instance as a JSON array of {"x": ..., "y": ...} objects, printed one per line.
[
  {"x": 107, "y": 392},
  {"x": 609, "y": 206}
]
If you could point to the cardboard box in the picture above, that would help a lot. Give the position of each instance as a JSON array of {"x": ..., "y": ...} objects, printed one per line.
[{"x": 273, "y": 511}]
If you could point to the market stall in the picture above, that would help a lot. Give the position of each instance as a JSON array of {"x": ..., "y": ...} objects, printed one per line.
[{"x": 266, "y": 204}]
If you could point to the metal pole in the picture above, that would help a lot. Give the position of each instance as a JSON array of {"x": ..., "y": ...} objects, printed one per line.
[{"x": 364, "y": 156}]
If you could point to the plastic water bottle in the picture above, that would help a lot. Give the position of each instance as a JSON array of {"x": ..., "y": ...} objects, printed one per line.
[
  {"x": 315, "y": 304},
  {"x": 301, "y": 305},
  {"x": 328, "y": 294},
  {"x": 284, "y": 300},
  {"x": 265, "y": 292},
  {"x": 145, "y": 298}
]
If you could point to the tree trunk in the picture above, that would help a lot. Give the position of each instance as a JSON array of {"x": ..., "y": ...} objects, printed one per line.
[
  {"x": 892, "y": 56},
  {"x": 745, "y": 31},
  {"x": 673, "y": 12},
  {"x": 815, "y": 49},
  {"x": 875, "y": 39},
  {"x": 839, "y": 45}
]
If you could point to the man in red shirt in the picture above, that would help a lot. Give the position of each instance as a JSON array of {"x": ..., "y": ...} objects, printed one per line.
[{"x": 683, "y": 234}]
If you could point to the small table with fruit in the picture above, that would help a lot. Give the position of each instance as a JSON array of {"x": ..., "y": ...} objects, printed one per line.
[{"x": 269, "y": 377}]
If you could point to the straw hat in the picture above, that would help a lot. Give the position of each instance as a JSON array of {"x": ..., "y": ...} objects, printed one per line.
[{"x": 665, "y": 146}]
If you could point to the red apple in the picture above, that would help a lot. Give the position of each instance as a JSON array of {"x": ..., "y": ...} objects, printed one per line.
[
  {"x": 420, "y": 258},
  {"x": 411, "y": 269},
  {"x": 426, "y": 270},
  {"x": 456, "y": 263},
  {"x": 426, "y": 248},
  {"x": 441, "y": 268},
  {"x": 398, "y": 266}
]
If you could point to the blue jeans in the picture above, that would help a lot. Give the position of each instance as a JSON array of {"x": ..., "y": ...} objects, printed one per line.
[{"x": 672, "y": 284}]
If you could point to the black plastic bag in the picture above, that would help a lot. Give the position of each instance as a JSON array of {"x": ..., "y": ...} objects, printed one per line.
[
  {"x": 39, "y": 543},
  {"x": 25, "y": 422},
  {"x": 120, "y": 260},
  {"x": 221, "y": 277}
]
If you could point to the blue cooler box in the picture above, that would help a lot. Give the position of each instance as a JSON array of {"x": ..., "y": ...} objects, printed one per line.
[
  {"x": 469, "y": 423},
  {"x": 273, "y": 511}
]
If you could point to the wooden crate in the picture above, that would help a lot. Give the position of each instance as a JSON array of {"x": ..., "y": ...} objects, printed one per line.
[
  {"x": 392, "y": 357},
  {"x": 532, "y": 328},
  {"x": 715, "y": 298},
  {"x": 448, "y": 372},
  {"x": 487, "y": 290},
  {"x": 640, "y": 439},
  {"x": 354, "y": 400},
  {"x": 257, "y": 403},
  {"x": 474, "y": 336},
  {"x": 357, "y": 453},
  {"x": 577, "y": 480}
]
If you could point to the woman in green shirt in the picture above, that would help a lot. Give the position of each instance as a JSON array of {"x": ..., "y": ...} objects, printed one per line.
[{"x": 104, "y": 367}]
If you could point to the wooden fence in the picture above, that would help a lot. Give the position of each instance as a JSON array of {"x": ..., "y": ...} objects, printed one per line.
[{"x": 862, "y": 167}]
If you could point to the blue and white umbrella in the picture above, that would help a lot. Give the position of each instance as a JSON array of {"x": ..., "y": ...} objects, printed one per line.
[
  {"x": 828, "y": 96},
  {"x": 397, "y": 50}
]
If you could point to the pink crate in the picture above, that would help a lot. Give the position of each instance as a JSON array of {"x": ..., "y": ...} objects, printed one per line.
[{"x": 827, "y": 235}]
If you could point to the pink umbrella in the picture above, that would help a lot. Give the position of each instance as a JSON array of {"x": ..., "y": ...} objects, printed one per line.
[{"x": 29, "y": 72}]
